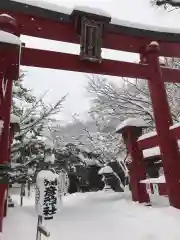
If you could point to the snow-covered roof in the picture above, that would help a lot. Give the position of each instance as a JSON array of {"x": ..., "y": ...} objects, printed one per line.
[
  {"x": 166, "y": 28},
  {"x": 106, "y": 169},
  {"x": 9, "y": 38},
  {"x": 133, "y": 122}
]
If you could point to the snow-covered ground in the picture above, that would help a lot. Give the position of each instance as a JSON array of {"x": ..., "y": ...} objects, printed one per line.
[{"x": 95, "y": 216}]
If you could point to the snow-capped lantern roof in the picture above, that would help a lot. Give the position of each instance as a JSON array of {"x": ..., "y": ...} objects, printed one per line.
[
  {"x": 105, "y": 170},
  {"x": 131, "y": 122}
]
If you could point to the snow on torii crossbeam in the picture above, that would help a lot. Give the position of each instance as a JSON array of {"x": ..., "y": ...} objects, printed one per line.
[
  {"x": 43, "y": 20},
  {"x": 92, "y": 32}
]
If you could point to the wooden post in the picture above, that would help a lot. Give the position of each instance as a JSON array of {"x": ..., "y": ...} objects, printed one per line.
[
  {"x": 163, "y": 120},
  {"x": 39, "y": 223},
  {"x": 136, "y": 167},
  {"x": 40, "y": 229}
]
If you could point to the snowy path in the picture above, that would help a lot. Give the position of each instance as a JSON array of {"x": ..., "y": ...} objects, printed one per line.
[{"x": 95, "y": 216}]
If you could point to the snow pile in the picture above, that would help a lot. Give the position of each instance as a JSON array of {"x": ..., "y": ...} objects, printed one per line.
[
  {"x": 9, "y": 38},
  {"x": 131, "y": 122},
  {"x": 101, "y": 215}
]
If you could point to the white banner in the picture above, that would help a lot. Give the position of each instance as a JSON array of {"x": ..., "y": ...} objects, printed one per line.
[{"x": 47, "y": 199}]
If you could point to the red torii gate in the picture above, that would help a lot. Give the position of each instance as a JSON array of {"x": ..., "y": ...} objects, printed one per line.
[{"x": 92, "y": 32}]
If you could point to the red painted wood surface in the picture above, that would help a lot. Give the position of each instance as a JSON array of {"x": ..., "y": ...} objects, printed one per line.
[
  {"x": 163, "y": 120},
  {"x": 64, "y": 61},
  {"x": 137, "y": 170},
  {"x": 152, "y": 141}
]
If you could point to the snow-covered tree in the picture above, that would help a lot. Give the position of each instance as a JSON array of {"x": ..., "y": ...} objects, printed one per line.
[
  {"x": 102, "y": 141},
  {"x": 169, "y": 5},
  {"x": 33, "y": 114},
  {"x": 112, "y": 104}
]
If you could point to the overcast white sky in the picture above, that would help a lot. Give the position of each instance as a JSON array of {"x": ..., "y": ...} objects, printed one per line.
[{"x": 62, "y": 82}]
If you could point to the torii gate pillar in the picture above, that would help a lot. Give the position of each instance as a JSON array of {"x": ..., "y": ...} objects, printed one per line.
[
  {"x": 163, "y": 120},
  {"x": 9, "y": 71}
]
